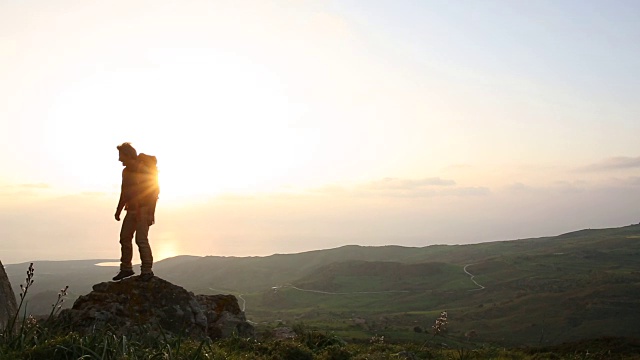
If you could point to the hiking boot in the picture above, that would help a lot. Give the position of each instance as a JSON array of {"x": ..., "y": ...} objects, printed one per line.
[
  {"x": 123, "y": 274},
  {"x": 146, "y": 276}
]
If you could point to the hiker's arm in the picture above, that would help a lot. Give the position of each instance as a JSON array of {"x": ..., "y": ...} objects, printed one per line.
[
  {"x": 152, "y": 210},
  {"x": 120, "y": 206},
  {"x": 151, "y": 217},
  {"x": 122, "y": 200}
]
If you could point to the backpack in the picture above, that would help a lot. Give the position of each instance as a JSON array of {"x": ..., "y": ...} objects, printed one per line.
[{"x": 148, "y": 186}]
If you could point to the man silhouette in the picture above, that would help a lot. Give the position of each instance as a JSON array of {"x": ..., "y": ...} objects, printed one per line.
[{"x": 138, "y": 218}]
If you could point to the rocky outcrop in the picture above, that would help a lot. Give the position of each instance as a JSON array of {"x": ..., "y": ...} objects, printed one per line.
[
  {"x": 224, "y": 317},
  {"x": 132, "y": 305},
  {"x": 8, "y": 306}
]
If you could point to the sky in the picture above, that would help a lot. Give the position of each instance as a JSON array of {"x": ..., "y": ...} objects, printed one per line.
[{"x": 283, "y": 126}]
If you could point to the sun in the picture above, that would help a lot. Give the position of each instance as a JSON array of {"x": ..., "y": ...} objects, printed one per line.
[{"x": 214, "y": 129}]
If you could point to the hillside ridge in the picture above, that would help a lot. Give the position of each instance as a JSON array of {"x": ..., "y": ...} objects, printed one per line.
[{"x": 572, "y": 286}]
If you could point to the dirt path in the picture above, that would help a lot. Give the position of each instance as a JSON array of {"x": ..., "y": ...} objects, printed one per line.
[
  {"x": 244, "y": 302},
  {"x": 480, "y": 287}
]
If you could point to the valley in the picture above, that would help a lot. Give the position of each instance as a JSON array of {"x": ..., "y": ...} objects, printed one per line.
[{"x": 542, "y": 291}]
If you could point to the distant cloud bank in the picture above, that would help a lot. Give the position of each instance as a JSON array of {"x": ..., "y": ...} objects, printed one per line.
[
  {"x": 613, "y": 163},
  {"x": 409, "y": 184},
  {"x": 407, "y": 188}
]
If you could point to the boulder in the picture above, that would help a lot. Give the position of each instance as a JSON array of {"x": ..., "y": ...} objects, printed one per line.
[
  {"x": 224, "y": 317},
  {"x": 8, "y": 305},
  {"x": 132, "y": 305}
]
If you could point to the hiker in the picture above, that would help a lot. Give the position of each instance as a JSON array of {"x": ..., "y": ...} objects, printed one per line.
[{"x": 138, "y": 196}]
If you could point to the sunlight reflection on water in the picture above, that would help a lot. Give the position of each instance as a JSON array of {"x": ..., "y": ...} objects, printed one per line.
[{"x": 110, "y": 263}]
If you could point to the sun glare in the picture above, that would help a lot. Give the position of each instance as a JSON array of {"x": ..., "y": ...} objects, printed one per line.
[
  {"x": 214, "y": 129},
  {"x": 177, "y": 184},
  {"x": 165, "y": 248}
]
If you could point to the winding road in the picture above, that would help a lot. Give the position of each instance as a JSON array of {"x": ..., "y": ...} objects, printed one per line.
[
  {"x": 244, "y": 302},
  {"x": 480, "y": 287}
]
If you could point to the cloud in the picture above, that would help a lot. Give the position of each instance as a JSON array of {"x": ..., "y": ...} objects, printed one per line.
[
  {"x": 555, "y": 187},
  {"x": 416, "y": 188},
  {"x": 467, "y": 191},
  {"x": 613, "y": 163},
  {"x": 518, "y": 186},
  {"x": 629, "y": 182},
  {"x": 408, "y": 184},
  {"x": 402, "y": 188},
  {"x": 610, "y": 185}
]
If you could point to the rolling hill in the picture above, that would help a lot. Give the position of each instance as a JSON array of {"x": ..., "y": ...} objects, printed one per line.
[{"x": 532, "y": 291}]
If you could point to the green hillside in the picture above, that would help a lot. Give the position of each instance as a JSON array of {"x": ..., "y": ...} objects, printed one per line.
[
  {"x": 584, "y": 284},
  {"x": 547, "y": 290},
  {"x": 373, "y": 276}
]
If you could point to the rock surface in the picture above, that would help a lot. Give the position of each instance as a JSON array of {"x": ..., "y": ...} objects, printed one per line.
[
  {"x": 132, "y": 305},
  {"x": 8, "y": 305}
]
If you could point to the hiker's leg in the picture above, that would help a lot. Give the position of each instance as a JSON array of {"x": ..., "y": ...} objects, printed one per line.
[
  {"x": 142, "y": 240},
  {"x": 126, "y": 238}
]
